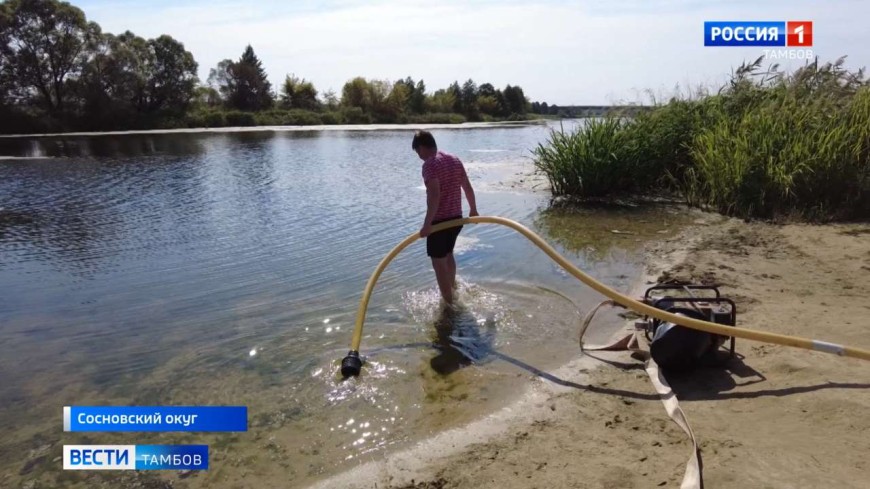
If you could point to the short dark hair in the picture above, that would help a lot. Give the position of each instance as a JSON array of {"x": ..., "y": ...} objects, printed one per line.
[{"x": 425, "y": 139}]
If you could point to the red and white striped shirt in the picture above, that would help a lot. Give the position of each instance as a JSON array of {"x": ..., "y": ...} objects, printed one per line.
[{"x": 450, "y": 174}]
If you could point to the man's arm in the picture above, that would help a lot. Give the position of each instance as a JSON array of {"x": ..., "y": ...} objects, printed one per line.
[
  {"x": 469, "y": 196},
  {"x": 433, "y": 198}
]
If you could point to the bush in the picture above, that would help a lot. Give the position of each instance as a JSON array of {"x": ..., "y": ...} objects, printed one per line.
[
  {"x": 331, "y": 118},
  {"x": 437, "y": 118},
  {"x": 355, "y": 115},
  {"x": 269, "y": 118},
  {"x": 517, "y": 117},
  {"x": 236, "y": 118},
  {"x": 298, "y": 117},
  {"x": 292, "y": 117},
  {"x": 215, "y": 119}
]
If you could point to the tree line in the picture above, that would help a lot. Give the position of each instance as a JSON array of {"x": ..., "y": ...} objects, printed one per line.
[{"x": 60, "y": 72}]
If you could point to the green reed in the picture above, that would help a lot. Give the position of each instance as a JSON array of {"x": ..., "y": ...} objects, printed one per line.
[{"x": 766, "y": 145}]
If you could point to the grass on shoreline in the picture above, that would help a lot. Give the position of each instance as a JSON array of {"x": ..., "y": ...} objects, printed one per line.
[{"x": 767, "y": 145}]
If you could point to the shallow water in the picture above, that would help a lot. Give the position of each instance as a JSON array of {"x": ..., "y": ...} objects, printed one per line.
[{"x": 227, "y": 268}]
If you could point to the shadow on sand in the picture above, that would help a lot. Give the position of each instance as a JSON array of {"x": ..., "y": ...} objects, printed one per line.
[{"x": 461, "y": 341}]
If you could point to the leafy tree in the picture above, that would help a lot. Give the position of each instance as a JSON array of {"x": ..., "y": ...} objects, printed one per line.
[
  {"x": 220, "y": 79},
  {"x": 417, "y": 103},
  {"x": 398, "y": 101},
  {"x": 442, "y": 101},
  {"x": 456, "y": 92},
  {"x": 330, "y": 99},
  {"x": 405, "y": 87},
  {"x": 298, "y": 94},
  {"x": 469, "y": 99},
  {"x": 7, "y": 78},
  {"x": 59, "y": 71},
  {"x": 138, "y": 54},
  {"x": 357, "y": 93},
  {"x": 306, "y": 96},
  {"x": 489, "y": 100},
  {"x": 488, "y": 105},
  {"x": 128, "y": 76},
  {"x": 171, "y": 76},
  {"x": 503, "y": 109},
  {"x": 206, "y": 96},
  {"x": 45, "y": 47},
  {"x": 515, "y": 100},
  {"x": 113, "y": 80},
  {"x": 382, "y": 110},
  {"x": 486, "y": 90}
]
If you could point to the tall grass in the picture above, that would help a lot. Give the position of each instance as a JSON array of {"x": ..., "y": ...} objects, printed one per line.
[
  {"x": 766, "y": 145},
  {"x": 592, "y": 162},
  {"x": 792, "y": 145}
]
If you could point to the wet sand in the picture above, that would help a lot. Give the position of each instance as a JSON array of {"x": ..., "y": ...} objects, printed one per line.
[{"x": 776, "y": 417}]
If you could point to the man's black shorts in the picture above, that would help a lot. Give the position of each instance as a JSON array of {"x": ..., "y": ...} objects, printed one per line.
[{"x": 440, "y": 244}]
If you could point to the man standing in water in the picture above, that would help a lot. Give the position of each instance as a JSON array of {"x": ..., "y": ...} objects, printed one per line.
[{"x": 444, "y": 176}]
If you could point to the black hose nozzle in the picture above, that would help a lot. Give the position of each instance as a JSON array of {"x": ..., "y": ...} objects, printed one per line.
[{"x": 351, "y": 365}]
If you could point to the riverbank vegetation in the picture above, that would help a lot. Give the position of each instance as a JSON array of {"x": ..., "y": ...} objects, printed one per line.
[
  {"x": 768, "y": 144},
  {"x": 60, "y": 72}
]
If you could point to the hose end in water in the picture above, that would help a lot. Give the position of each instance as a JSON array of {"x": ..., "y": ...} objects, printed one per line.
[{"x": 351, "y": 365}]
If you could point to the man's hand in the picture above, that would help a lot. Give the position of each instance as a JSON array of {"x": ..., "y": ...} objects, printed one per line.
[
  {"x": 473, "y": 213},
  {"x": 426, "y": 230}
]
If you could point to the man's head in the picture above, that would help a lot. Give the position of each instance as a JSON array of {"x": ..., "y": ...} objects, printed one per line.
[{"x": 424, "y": 144}]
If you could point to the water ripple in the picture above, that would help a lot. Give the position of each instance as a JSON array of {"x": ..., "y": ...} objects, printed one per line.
[{"x": 228, "y": 268}]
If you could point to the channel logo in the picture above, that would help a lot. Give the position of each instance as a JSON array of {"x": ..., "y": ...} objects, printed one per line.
[
  {"x": 796, "y": 34},
  {"x": 135, "y": 457}
]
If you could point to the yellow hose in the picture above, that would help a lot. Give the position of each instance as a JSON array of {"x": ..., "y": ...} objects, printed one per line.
[{"x": 626, "y": 301}]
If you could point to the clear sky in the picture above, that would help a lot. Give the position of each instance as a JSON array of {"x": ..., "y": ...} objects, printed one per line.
[{"x": 582, "y": 52}]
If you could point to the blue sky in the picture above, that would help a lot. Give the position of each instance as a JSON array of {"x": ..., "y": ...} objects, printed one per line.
[{"x": 584, "y": 52}]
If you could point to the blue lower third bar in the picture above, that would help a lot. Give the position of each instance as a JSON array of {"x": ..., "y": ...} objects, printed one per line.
[
  {"x": 155, "y": 418},
  {"x": 135, "y": 457}
]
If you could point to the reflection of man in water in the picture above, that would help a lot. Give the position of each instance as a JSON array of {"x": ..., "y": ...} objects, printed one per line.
[
  {"x": 449, "y": 359},
  {"x": 444, "y": 176},
  {"x": 460, "y": 340}
]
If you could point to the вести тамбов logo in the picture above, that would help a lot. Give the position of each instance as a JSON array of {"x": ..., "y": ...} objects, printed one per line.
[{"x": 781, "y": 39}]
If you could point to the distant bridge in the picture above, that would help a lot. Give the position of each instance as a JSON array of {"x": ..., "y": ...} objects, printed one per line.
[{"x": 595, "y": 110}]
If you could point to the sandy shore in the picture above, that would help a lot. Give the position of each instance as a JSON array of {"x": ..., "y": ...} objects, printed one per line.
[{"x": 776, "y": 417}]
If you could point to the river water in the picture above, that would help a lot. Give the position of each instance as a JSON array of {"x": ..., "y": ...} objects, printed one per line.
[{"x": 226, "y": 268}]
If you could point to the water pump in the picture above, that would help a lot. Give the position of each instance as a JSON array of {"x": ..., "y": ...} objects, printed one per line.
[{"x": 677, "y": 348}]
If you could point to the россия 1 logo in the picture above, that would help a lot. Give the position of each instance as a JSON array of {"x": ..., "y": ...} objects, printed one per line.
[{"x": 791, "y": 34}]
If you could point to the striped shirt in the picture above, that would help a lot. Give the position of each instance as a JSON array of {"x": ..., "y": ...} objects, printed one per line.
[{"x": 450, "y": 174}]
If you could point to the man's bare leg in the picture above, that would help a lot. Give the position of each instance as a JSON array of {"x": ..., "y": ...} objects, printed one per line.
[
  {"x": 451, "y": 263},
  {"x": 442, "y": 275}
]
